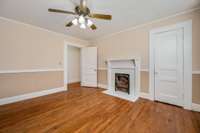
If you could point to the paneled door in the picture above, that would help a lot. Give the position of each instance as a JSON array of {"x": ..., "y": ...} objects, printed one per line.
[
  {"x": 89, "y": 66},
  {"x": 168, "y": 55}
]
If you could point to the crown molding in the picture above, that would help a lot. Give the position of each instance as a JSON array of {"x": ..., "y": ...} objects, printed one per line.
[
  {"x": 42, "y": 29},
  {"x": 145, "y": 24}
]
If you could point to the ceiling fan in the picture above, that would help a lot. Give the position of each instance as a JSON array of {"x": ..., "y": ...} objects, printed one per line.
[{"x": 82, "y": 14}]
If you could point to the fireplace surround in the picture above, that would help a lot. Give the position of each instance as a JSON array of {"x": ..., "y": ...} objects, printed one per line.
[{"x": 124, "y": 78}]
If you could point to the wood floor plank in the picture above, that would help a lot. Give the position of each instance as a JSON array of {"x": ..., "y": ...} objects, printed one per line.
[{"x": 88, "y": 110}]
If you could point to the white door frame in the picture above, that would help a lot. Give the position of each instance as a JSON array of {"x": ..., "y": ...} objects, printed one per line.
[
  {"x": 65, "y": 60},
  {"x": 187, "y": 70}
]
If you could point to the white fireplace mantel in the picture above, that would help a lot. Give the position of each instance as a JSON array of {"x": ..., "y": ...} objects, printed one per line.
[{"x": 129, "y": 66}]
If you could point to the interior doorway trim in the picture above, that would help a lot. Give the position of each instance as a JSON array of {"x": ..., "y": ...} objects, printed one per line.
[
  {"x": 65, "y": 60},
  {"x": 187, "y": 70}
]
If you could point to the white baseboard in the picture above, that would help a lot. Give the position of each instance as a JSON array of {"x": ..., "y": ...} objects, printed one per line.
[
  {"x": 104, "y": 86},
  {"x": 145, "y": 95},
  {"x": 196, "y": 107},
  {"x": 73, "y": 81},
  {"x": 13, "y": 99}
]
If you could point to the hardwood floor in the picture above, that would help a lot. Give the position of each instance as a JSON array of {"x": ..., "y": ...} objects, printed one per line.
[{"x": 87, "y": 110}]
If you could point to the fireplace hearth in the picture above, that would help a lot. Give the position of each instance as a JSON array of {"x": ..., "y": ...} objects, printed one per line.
[{"x": 122, "y": 82}]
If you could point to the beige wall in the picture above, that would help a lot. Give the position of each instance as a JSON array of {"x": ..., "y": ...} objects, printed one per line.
[
  {"x": 27, "y": 47},
  {"x": 135, "y": 42},
  {"x": 22, "y": 83},
  {"x": 73, "y": 64},
  {"x": 144, "y": 82},
  {"x": 102, "y": 77},
  {"x": 24, "y": 47},
  {"x": 196, "y": 88}
]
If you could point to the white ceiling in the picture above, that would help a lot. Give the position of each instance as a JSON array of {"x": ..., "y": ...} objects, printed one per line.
[{"x": 126, "y": 13}]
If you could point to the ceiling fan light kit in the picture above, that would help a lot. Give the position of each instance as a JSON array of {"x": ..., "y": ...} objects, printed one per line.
[
  {"x": 82, "y": 26},
  {"x": 84, "y": 14},
  {"x": 75, "y": 21},
  {"x": 82, "y": 22},
  {"x": 89, "y": 23},
  {"x": 81, "y": 19}
]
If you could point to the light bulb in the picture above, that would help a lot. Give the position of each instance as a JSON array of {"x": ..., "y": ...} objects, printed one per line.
[
  {"x": 81, "y": 20},
  {"x": 75, "y": 21},
  {"x": 82, "y": 26},
  {"x": 89, "y": 23}
]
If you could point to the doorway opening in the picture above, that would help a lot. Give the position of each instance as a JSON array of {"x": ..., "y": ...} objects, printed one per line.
[{"x": 74, "y": 66}]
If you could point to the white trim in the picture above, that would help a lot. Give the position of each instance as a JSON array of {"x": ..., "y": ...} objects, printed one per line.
[
  {"x": 145, "y": 95},
  {"x": 123, "y": 59},
  {"x": 144, "y": 70},
  {"x": 60, "y": 69},
  {"x": 43, "y": 29},
  {"x": 13, "y": 99},
  {"x": 145, "y": 24},
  {"x": 73, "y": 81},
  {"x": 195, "y": 72},
  {"x": 30, "y": 70},
  {"x": 196, "y": 107},
  {"x": 73, "y": 44},
  {"x": 104, "y": 86},
  {"x": 187, "y": 26}
]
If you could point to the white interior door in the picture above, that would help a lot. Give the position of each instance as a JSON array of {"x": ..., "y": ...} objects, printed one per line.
[
  {"x": 168, "y": 55},
  {"x": 89, "y": 66}
]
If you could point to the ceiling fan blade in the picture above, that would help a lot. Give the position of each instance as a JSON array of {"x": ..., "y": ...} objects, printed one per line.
[
  {"x": 69, "y": 24},
  {"x": 93, "y": 27},
  {"x": 61, "y": 11},
  {"x": 100, "y": 16}
]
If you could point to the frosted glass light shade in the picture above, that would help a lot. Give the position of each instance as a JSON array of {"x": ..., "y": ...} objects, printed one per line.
[
  {"x": 75, "y": 22},
  {"x": 82, "y": 26},
  {"x": 89, "y": 23},
  {"x": 81, "y": 20}
]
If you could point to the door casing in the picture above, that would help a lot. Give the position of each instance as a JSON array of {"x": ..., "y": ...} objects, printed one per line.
[{"x": 187, "y": 59}]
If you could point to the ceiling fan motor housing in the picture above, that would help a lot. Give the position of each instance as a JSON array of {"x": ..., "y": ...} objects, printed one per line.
[{"x": 82, "y": 11}]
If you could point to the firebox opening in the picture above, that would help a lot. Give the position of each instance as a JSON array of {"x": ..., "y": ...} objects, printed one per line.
[{"x": 122, "y": 82}]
